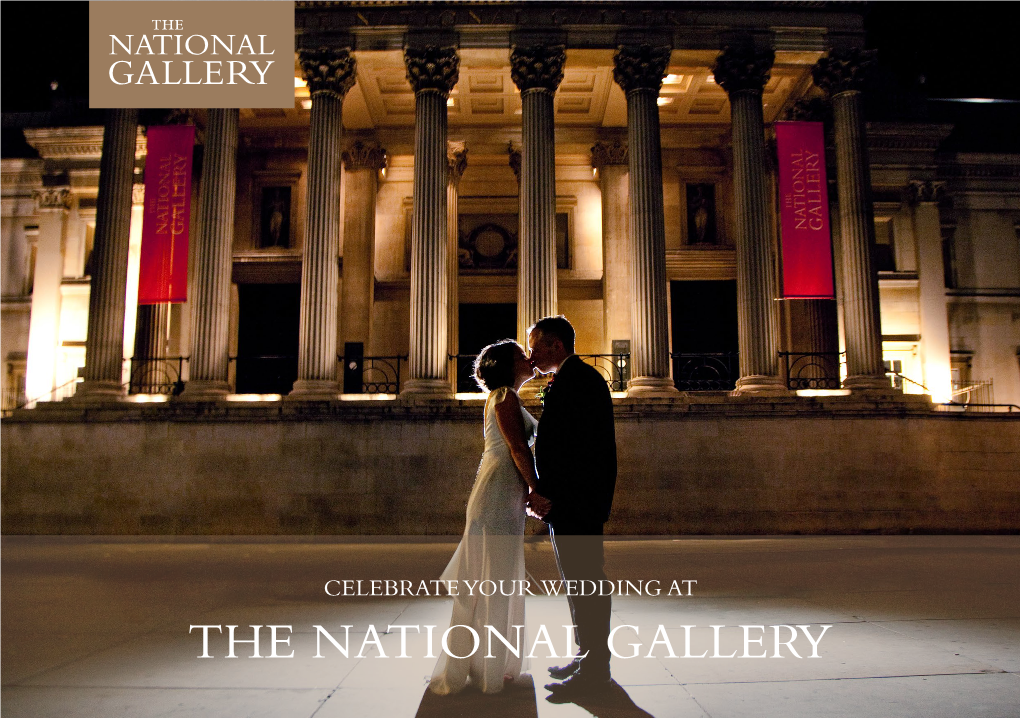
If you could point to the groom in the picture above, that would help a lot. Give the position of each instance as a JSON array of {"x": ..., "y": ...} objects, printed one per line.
[{"x": 575, "y": 454}]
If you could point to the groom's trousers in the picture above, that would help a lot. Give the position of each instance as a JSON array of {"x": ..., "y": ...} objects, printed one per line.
[{"x": 580, "y": 557}]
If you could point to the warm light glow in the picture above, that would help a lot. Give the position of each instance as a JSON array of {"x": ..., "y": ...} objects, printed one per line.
[
  {"x": 823, "y": 392},
  {"x": 450, "y": 102},
  {"x": 594, "y": 171},
  {"x": 672, "y": 79},
  {"x": 470, "y": 396},
  {"x": 298, "y": 82},
  {"x": 367, "y": 397},
  {"x": 254, "y": 397},
  {"x": 664, "y": 101},
  {"x": 306, "y": 104},
  {"x": 618, "y": 394},
  {"x": 710, "y": 79},
  {"x": 147, "y": 398}
]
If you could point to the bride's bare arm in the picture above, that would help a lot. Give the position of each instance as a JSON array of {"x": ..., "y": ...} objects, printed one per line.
[{"x": 511, "y": 425}]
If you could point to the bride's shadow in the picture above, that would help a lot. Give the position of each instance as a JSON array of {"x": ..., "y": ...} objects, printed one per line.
[{"x": 520, "y": 701}]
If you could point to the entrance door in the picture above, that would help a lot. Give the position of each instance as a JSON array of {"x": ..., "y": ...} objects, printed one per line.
[
  {"x": 481, "y": 325},
  {"x": 267, "y": 342},
  {"x": 704, "y": 324}
]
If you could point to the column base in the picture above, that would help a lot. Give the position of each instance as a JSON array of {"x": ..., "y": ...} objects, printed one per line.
[
  {"x": 426, "y": 389},
  {"x": 870, "y": 385},
  {"x": 652, "y": 386},
  {"x": 99, "y": 391},
  {"x": 203, "y": 390},
  {"x": 760, "y": 385},
  {"x": 314, "y": 390}
]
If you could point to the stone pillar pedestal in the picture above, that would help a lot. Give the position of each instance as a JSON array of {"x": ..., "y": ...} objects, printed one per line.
[
  {"x": 104, "y": 343},
  {"x": 537, "y": 70},
  {"x": 209, "y": 362},
  {"x": 362, "y": 163},
  {"x": 743, "y": 70},
  {"x": 610, "y": 160},
  {"x": 935, "y": 357},
  {"x": 639, "y": 71},
  {"x": 330, "y": 73},
  {"x": 44, "y": 321},
  {"x": 841, "y": 76},
  {"x": 432, "y": 71}
]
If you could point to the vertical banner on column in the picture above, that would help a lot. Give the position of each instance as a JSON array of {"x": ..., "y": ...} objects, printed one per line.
[
  {"x": 804, "y": 211},
  {"x": 163, "y": 273}
]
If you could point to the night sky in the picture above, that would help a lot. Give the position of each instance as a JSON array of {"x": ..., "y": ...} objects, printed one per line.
[{"x": 946, "y": 50}]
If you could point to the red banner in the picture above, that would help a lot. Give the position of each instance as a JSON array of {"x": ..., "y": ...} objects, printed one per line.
[
  {"x": 804, "y": 211},
  {"x": 163, "y": 273}
]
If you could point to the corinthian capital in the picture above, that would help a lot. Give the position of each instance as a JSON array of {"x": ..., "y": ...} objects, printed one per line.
[
  {"x": 843, "y": 70},
  {"x": 537, "y": 67},
  {"x": 641, "y": 67},
  {"x": 53, "y": 198},
  {"x": 609, "y": 153},
  {"x": 328, "y": 70},
  {"x": 743, "y": 67},
  {"x": 432, "y": 68},
  {"x": 456, "y": 159},
  {"x": 364, "y": 156},
  {"x": 919, "y": 191}
]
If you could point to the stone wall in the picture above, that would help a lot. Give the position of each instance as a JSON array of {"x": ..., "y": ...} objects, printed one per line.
[{"x": 721, "y": 466}]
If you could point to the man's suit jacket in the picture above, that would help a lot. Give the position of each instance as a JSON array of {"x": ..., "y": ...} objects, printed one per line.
[{"x": 575, "y": 450}]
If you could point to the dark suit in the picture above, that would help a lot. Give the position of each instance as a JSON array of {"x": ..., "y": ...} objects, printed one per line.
[{"x": 575, "y": 453}]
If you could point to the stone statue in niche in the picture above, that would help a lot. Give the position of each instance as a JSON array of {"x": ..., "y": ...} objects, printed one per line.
[
  {"x": 701, "y": 214},
  {"x": 275, "y": 224}
]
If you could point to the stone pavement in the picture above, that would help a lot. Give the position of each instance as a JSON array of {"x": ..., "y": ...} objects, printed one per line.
[{"x": 921, "y": 626}]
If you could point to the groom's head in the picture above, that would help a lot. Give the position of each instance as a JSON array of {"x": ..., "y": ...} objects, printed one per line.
[{"x": 551, "y": 340}]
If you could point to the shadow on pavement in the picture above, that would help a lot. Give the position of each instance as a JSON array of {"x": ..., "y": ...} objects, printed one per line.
[{"x": 516, "y": 701}]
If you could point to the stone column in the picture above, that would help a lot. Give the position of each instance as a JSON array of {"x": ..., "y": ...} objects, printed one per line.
[
  {"x": 362, "y": 163},
  {"x": 104, "y": 343},
  {"x": 432, "y": 71},
  {"x": 210, "y": 319},
  {"x": 537, "y": 70},
  {"x": 44, "y": 322},
  {"x": 931, "y": 278},
  {"x": 742, "y": 71},
  {"x": 841, "y": 76},
  {"x": 456, "y": 158},
  {"x": 330, "y": 73},
  {"x": 639, "y": 71},
  {"x": 610, "y": 160}
]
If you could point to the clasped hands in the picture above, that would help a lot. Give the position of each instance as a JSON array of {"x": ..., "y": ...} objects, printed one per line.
[{"x": 538, "y": 506}]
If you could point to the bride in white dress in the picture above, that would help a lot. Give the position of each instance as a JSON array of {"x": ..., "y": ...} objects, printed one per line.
[{"x": 492, "y": 547}]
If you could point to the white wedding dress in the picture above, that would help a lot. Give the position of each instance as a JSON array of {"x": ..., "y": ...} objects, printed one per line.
[{"x": 492, "y": 549}]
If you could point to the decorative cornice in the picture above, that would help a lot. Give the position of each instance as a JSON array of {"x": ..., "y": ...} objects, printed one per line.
[
  {"x": 432, "y": 68},
  {"x": 514, "y": 158},
  {"x": 743, "y": 67},
  {"x": 328, "y": 70},
  {"x": 922, "y": 191},
  {"x": 456, "y": 160},
  {"x": 364, "y": 156},
  {"x": 74, "y": 143},
  {"x": 53, "y": 198},
  {"x": 641, "y": 67},
  {"x": 814, "y": 109},
  {"x": 609, "y": 153},
  {"x": 844, "y": 70},
  {"x": 537, "y": 67}
]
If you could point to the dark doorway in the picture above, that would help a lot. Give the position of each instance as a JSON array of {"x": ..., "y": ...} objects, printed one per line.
[
  {"x": 481, "y": 325},
  {"x": 267, "y": 342},
  {"x": 704, "y": 324}
]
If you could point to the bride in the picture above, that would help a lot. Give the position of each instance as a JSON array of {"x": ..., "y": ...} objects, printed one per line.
[{"x": 493, "y": 544}]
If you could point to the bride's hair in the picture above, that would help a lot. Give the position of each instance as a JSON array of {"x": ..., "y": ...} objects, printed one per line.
[{"x": 494, "y": 366}]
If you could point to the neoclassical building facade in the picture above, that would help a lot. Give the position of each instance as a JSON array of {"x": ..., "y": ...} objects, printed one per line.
[{"x": 448, "y": 174}]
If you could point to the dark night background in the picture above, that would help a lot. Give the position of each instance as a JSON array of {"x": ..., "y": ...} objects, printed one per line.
[{"x": 928, "y": 53}]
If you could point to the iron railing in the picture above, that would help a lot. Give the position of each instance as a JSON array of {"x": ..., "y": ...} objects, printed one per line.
[
  {"x": 811, "y": 370},
  {"x": 614, "y": 368},
  {"x": 380, "y": 374},
  {"x": 157, "y": 375},
  {"x": 707, "y": 371},
  {"x": 13, "y": 398}
]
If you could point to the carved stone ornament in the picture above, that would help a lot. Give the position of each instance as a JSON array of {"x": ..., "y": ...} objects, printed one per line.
[
  {"x": 641, "y": 67},
  {"x": 609, "y": 153},
  {"x": 919, "y": 191},
  {"x": 456, "y": 159},
  {"x": 815, "y": 109},
  {"x": 844, "y": 70},
  {"x": 743, "y": 67},
  {"x": 364, "y": 156},
  {"x": 53, "y": 198},
  {"x": 537, "y": 67},
  {"x": 179, "y": 117},
  {"x": 137, "y": 194},
  {"x": 514, "y": 156},
  {"x": 329, "y": 70},
  {"x": 432, "y": 68}
]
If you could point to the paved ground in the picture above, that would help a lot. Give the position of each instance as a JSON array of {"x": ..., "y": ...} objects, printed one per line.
[{"x": 921, "y": 626}]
